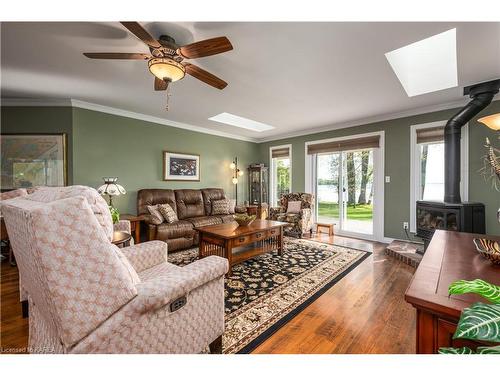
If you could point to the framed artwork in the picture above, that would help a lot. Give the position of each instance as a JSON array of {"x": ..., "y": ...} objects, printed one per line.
[
  {"x": 33, "y": 160},
  {"x": 181, "y": 167}
]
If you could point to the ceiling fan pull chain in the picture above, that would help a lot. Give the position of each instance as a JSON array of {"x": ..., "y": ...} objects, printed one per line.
[{"x": 168, "y": 96}]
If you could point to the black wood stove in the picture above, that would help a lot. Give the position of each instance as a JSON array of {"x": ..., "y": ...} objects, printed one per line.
[
  {"x": 453, "y": 214},
  {"x": 461, "y": 217}
]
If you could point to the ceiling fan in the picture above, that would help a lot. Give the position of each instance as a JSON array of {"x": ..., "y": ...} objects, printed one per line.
[{"x": 166, "y": 59}]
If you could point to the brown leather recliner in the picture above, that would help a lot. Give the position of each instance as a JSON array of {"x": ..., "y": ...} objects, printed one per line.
[{"x": 193, "y": 208}]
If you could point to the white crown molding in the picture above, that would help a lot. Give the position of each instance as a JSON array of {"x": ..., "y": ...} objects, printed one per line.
[
  {"x": 22, "y": 102},
  {"x": 156, "y": 120},
  {"x": 370, "y": 120},
  {"x": 26, "y": 102}
]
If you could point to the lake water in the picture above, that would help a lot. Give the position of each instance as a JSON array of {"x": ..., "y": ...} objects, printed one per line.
[{"x": 328, "y": 193}]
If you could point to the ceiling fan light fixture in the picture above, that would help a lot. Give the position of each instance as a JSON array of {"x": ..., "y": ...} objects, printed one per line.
[{"x": 166, "y": 68}]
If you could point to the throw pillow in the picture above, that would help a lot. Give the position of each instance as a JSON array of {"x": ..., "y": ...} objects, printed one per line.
[
  {"x": 156, "y": 216},
  {"x": 220, "y": 207},
  {"x": 168, "y": 213},
  {"x": 294, "y": 207},
  {"x": 232, "y": 206}
]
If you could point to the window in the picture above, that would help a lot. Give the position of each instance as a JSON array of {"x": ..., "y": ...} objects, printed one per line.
[
  {"x": 427, "y": 165},
  {"x": 281, "y": 172},
  {"x": 431, "y": 156}
]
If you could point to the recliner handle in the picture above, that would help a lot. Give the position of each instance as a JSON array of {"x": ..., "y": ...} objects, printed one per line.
[{"x": 178, "y": 303}]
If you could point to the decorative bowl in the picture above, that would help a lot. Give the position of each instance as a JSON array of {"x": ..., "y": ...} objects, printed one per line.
[
  {"x": 244, "y": 219},
  {"x": 489, "y": 249}
]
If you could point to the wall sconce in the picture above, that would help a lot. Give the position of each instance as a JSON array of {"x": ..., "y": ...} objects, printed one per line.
[
  {"x": 491, "y": 121},
  {"x": 237, "y": 172}
]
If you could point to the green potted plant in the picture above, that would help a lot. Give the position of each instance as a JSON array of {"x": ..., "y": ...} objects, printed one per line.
[{"x": 480, "y": 321}]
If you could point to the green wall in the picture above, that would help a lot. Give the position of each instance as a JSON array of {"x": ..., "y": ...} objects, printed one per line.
[
  {"x": 132, "y": 150},
  {"x": 40, "y": 120},
  {"x": 101, "y": 144},
  {"x": 397, "y": 164}
]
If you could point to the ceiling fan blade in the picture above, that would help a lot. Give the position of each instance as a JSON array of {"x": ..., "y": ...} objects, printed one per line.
[
  {"x": 205, "y": 48},
  {"x": 114, "y": 55},
  {"x": 141, "y": 33},
  {"x": 160, "y": 84},
  {"x": 205, "y": 76}
]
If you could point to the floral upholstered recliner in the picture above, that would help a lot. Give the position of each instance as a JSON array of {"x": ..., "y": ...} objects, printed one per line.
[
  {"x": 88, "y": 296},
  {"x": 48, "y": 194},
  {"x": 300, "y": 223}
]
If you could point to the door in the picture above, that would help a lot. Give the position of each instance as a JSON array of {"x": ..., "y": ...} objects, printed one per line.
[
  {"x": 345, "y": 190},
  {"x": 357, "y": 215}
]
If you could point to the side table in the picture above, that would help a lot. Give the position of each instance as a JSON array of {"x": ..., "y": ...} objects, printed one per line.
[
  {"x": 259, "y": 210},
  {"x": 121, "y": 239},
  {"x": 135, "y": 225}
]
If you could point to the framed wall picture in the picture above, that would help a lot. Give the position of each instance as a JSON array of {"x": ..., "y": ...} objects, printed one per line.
[
  {"x": 33, "y": 160},
  {"x": 181, "y": 167}
]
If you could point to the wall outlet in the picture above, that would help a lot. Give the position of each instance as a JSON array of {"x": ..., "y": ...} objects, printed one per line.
[
  {"x": 387, "y": 179},
  {"x": 405, "y": 225}
]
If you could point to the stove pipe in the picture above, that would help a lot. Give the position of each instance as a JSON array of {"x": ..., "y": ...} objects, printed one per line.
[{"x": 481, "y": 94}]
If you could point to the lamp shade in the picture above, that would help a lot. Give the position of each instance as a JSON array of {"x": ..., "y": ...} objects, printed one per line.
[
  {"x": 235, "y": 180},
  {"x": 110, "y": 187},
  {"x": 232, "y": 165},
  {"x": 491, "y": 121},
  {"x": 167, "y": 69}
]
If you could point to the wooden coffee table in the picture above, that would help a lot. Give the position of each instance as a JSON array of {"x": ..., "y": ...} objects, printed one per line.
[{"x": 239, "y": 243}]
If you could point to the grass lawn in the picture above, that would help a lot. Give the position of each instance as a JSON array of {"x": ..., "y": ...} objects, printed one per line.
[{"x": 360, "y": 212}]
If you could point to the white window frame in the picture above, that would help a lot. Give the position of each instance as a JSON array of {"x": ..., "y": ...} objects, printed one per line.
[
  {"x": 415, "y": 166},
  {"x": 272, "y": 181},
  {"x": 378, "y": 179}
]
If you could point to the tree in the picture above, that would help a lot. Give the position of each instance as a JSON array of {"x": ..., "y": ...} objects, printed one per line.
[
  {"x": 365, "y": 157},
  {"x": 351, "y": 179},
  {"x": 333, "y": 167},
  {"x": 283, "y": 178},
  {"x": 423, "y": 167}
]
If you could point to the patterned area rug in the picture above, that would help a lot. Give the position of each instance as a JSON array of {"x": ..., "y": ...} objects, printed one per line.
[{"x": 267, "y": 291}]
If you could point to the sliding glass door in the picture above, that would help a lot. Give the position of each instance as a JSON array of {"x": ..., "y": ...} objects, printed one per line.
[
  {"x": 328, "y": 188},
  {"x": 345, "y": 190}
]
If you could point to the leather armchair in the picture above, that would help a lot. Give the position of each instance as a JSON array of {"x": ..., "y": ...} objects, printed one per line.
[
  {"x": 300, "y": 223},
  {"x": 128, "y": 300}
]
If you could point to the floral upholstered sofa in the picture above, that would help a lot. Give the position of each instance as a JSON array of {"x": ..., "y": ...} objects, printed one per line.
[{"x": 300, "y": 222}]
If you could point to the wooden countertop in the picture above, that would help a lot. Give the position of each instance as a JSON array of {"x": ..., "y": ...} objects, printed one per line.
[{"x": 450, "y": 256}]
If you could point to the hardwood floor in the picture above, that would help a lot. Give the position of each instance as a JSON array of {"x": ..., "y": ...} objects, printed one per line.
[
  {"x": 13, "y": 328},
  {"x": 363, "y": 313}
]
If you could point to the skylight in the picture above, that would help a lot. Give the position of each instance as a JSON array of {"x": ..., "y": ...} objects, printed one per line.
[
  {"x": 241, "y": 122},
  {"x": 427, "y": 65}
]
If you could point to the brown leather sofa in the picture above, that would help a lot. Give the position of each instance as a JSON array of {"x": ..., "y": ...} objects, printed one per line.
[{"x": 193, "y": 208}]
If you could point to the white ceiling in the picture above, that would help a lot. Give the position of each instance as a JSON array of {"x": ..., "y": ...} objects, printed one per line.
[{"x": 296, "y": 77}]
